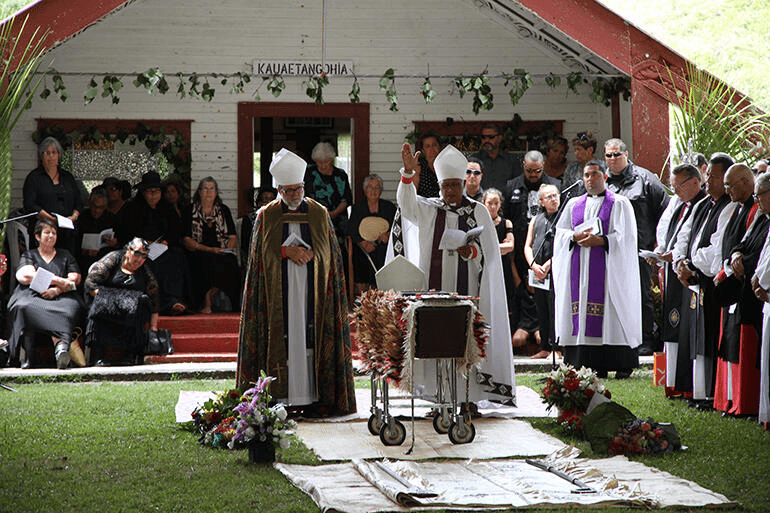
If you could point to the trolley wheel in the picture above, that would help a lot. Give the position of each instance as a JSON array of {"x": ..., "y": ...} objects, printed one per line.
[
  {"x": 440, "y": 424},
  {"x": 393, "y": 433},
  {"x": 461, "y": 433},
  {"x": 374, "y": 424}
]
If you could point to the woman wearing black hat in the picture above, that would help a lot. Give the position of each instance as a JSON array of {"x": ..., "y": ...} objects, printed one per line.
[{"x": 150, "y": 217}]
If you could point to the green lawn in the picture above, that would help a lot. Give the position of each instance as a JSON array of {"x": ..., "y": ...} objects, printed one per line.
[{"x": 112, "y": 447}]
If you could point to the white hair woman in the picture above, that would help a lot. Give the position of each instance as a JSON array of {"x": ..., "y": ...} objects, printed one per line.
[{"x": 373, "y": 212}]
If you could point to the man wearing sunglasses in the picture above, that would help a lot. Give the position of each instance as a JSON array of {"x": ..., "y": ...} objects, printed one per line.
[
  {"x": 473, "y": 177},
  {"x": 499, "y": 166},
  {"x": 649, "y": 199}
]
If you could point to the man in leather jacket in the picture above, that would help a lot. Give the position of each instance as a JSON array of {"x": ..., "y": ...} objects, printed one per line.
[{"x": 649, "y": 199}]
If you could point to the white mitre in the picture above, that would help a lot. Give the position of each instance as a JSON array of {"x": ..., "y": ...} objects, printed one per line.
[
  {"x": 287, "y": 168},
  {"x": 450, "y": 164}
]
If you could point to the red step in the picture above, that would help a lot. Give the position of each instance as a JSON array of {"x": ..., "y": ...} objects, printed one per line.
[
  {"x": 205, "y": 342},
  {"x": 199, "y": 323},
  {"x": 192, "y": 358}
]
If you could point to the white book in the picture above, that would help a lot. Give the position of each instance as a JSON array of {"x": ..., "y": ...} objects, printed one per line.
[
  {"x": 64, "y": 222},
  {"x": 536, "y": 282},
  {"x": 593, "y": 225},
  {"x": 156, "y": 250},
  {"x": 42, "y": 280},
  {"x": 295, "y": 240},
  {"x": 95, "y": 241},
  {"x": 453, "y": 239}
]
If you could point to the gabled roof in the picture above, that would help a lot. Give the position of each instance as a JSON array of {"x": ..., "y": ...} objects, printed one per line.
[
  {"x": 585, "y": 34},
  {"x": 590, "y": 37},
  {"x": 62, "y": 18}
]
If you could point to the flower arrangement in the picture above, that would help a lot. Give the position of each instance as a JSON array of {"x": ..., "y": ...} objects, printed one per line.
[
  {"x": 570, "y": 391},
  {"x": 645, "y": 436},
  {"x": 257, "y": 421},
  {"x": 235, "y": 419},
  {"x": 212, "y": 420}
]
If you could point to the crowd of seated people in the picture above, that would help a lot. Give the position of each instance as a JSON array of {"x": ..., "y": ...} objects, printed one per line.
[{"x": 200, "y": 263}]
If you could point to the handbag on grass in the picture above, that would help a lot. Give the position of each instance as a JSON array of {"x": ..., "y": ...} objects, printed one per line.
[{"x": 159, "y": 342}]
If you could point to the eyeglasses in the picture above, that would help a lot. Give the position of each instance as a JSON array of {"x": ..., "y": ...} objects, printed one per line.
[
  {"x": 757, "y": 195},
  {"x": 488, "y": 136},
  {"x": 732, "y": 186},
  {"x": 293, "y": 190},
  {"x": 677, "y": 187},
  {"x": 613, "y": 155},
  {"x": 533, "y": 170},
  {"x": 582, "y": 136},
  {"x": 140, "y": 254},
  {"x": 50, "y": 152},
  {"x": 474, "y": 172}
]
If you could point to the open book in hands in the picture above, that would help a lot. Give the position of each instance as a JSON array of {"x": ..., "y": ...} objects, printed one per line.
[
  {"x": 453, "y": 239},
  {"x": 295, "y": 240},
  {"x": 593, "y": 225}
]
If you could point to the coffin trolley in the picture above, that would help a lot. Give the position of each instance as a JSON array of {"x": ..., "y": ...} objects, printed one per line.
[{"x": 397, "y": 329}]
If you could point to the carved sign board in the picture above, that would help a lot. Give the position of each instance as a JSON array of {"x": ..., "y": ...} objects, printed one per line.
[{"x": 302, "y": 68}]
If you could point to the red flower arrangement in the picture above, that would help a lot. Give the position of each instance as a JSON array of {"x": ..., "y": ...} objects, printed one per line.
[
  {"x": 570, "y": 391},
  {"x": 642, "y": 436}
]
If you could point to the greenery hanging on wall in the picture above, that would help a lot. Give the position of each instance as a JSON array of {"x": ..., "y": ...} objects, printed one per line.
[
  {"x": 388, "y": 84},
  {"x": 203, "y": 86},
  {"x": 315, "y": 86},
  {"x": 483, "y": 99}
]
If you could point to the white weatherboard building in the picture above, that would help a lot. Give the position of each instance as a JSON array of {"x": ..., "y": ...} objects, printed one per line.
[{"x": 440, "y": 39}]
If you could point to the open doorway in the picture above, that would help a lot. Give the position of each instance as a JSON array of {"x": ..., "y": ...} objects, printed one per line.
[{"x": 264, "y": 128}]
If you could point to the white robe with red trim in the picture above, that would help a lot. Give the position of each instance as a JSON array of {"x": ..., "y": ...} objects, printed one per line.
[{"x": 419, "y": 216}]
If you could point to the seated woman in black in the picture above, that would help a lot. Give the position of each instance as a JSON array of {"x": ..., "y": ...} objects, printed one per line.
[
  {"x": 94, "y": 220},
  {"x": 57, "y": 310},
  {"x": 372, "y": 206},
  {"x": 126, "y": 298},
  {"x": 149, "y": 217},
  {"x": 209, "y": 235}
]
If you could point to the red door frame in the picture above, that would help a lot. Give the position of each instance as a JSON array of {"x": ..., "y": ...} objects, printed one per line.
[{"x": 247, "y": 111}]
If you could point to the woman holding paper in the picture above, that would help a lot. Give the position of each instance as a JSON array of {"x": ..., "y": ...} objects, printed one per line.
[
  {"x": 151, "y": 218},
  {"x": 538, "y": 250},
  {"x": 45, "y": 299},
  {"x": 50, "y": 190},
  {"x": 209, "y": 236}
]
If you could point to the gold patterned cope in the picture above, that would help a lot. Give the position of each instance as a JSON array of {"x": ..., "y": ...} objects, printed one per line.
[{"x": 273, "y": 220}]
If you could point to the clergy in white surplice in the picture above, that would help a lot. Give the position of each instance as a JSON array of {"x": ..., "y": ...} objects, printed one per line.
[
  {"x": 761, "y": 285},
  {"x": 598, "y": 305},
  {"x": 474, "y": 268}
]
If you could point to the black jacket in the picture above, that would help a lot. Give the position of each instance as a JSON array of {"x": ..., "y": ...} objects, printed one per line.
[{"x": 648, "y": 198}]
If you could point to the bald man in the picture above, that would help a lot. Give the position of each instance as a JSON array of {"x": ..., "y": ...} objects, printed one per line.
[{"x": 734, "y": 374}]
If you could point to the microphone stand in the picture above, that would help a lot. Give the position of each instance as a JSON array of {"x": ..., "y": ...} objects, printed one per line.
[{"x": 550, "y": 230}]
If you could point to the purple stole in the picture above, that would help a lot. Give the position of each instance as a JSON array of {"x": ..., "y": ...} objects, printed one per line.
[{"x": 596, "y": 270}]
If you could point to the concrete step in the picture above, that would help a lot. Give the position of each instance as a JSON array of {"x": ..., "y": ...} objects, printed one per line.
[
  {"x": 205, "y": 342},
  {"x": 191, "y": 358},
  {"x": 199, "y": 324}
]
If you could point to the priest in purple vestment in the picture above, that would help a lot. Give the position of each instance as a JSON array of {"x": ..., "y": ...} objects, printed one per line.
[{"x": 598, "y": 307}]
